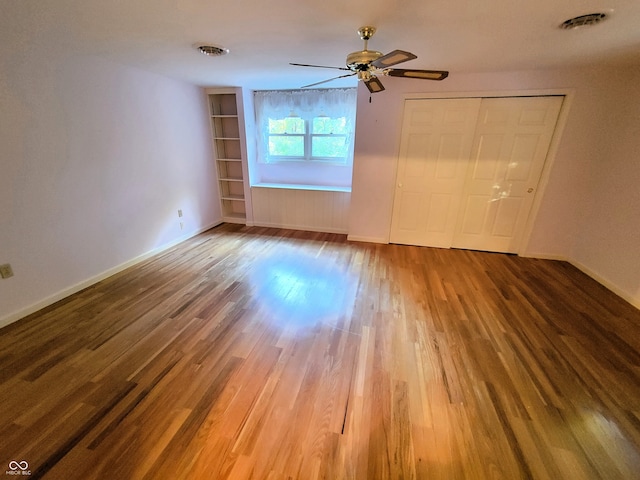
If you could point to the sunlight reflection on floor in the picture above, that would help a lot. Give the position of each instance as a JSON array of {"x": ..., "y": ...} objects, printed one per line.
[{"x": 299, "y": 290}]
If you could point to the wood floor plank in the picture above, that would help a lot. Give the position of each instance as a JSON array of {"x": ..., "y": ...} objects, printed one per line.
[{"x": 257, "y": 353}]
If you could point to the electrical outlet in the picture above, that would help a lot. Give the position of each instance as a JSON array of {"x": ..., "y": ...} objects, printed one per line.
[
  {"x": 6, "y": 271},
  {"x": 180, "y": 212}
]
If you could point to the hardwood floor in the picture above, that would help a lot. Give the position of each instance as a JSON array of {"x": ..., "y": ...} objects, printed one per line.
[{"x": 272, "y": 354}]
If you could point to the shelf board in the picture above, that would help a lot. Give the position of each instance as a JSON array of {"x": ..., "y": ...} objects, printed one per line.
[
  {"x": 230, "y": 179},
  {"x": 229, "y": 159},
  {"x": 233, "y": 198},
  {"x": 224, "y": 116},
  {"x": 226, "y": 138},
  {"x": 234, "y": 218}
]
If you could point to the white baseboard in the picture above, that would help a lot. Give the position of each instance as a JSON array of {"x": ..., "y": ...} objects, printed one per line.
[
  {"x": 606, "y": 283},
  {"x": 305, "y": 228},
  {"x": 358, "y": 238},
  {"x": 15, "y": 316},
  {"x": 591, "y": 273},
  {"x": 544, "y": 256}
]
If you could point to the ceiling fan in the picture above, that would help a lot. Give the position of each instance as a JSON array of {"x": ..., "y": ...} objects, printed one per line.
[{"x": 368, "y": 64}]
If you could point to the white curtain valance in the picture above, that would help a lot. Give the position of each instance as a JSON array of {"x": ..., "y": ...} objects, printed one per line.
[{"x": 332, "y": 102}]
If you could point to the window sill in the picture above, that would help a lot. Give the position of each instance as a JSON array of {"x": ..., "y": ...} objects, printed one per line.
[{"x": 290, "y": 186}]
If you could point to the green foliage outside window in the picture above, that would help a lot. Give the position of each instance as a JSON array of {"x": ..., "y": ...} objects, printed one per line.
[
  {"x": 328, "y": 147},
  {"x": 286, "y": 146},
  {"x": 328, "y": 125},
  {"x": 287, "y": 125}
]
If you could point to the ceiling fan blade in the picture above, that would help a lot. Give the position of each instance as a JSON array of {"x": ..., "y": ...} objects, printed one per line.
[
  {"x": 330, "y": 80},
  {"x": 374, "y": 85},
  {"x": 317, "y": 66},
  {"x": 393, "y": 58},
  {"x": 423, "y": 74}
]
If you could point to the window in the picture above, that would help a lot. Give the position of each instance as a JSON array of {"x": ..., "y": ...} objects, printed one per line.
[
  {"x": 321, "y": 138},
  {"x": 306, "y": 125}
]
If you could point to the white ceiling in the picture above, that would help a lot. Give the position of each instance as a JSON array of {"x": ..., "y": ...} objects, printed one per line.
[{"x": 264, "y": 36}]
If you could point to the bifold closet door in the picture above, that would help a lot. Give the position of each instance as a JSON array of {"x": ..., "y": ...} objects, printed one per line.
[
  {"x": 511, "y": 143},
  {"x": 468, "y": 170},
  {"x": 436, "y": 142}
]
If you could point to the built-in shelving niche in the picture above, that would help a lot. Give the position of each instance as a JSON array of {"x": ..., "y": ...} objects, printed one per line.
[{"x": 227, "y": 125}]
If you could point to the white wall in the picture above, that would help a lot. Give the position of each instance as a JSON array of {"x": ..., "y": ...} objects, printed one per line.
[
  {"x": 590, "y": 211},
  {"x": 608, "y": 241},
  {"x": 96, "y": 159}
]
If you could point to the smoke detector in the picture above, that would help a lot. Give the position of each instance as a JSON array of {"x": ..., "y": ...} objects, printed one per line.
[
  {"x": 212, "y": 50},
  {"x": 583, "y": 20}
]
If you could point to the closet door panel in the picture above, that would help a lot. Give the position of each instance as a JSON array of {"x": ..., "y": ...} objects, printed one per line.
[
  {"x": 510, "y": 147},
  {"x": 436, "y": 141}
]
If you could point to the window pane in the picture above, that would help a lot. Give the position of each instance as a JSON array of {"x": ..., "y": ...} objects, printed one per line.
[
  {"x": 329, "y": 147},
  {"x": 276, "y": 126},
  {"x": 286, "y": 125},
  {"x": 327, "y": 125},
  {"x": 286, "y": 146}
]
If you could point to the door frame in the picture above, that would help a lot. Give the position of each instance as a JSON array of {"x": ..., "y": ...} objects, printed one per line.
[{"x": 567, "y": 93}]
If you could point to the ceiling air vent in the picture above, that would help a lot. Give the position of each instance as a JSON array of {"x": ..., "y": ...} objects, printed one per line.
[
  {"x": 583, "y": 20},
  {"x": 213, "y": 50}
]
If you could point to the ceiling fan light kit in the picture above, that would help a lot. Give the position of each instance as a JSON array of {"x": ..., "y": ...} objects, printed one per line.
[{"x": 369, "y": 64}]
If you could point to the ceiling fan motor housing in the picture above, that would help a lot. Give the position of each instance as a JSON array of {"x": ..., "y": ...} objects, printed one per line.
[{"x": 358, "y": 61}]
